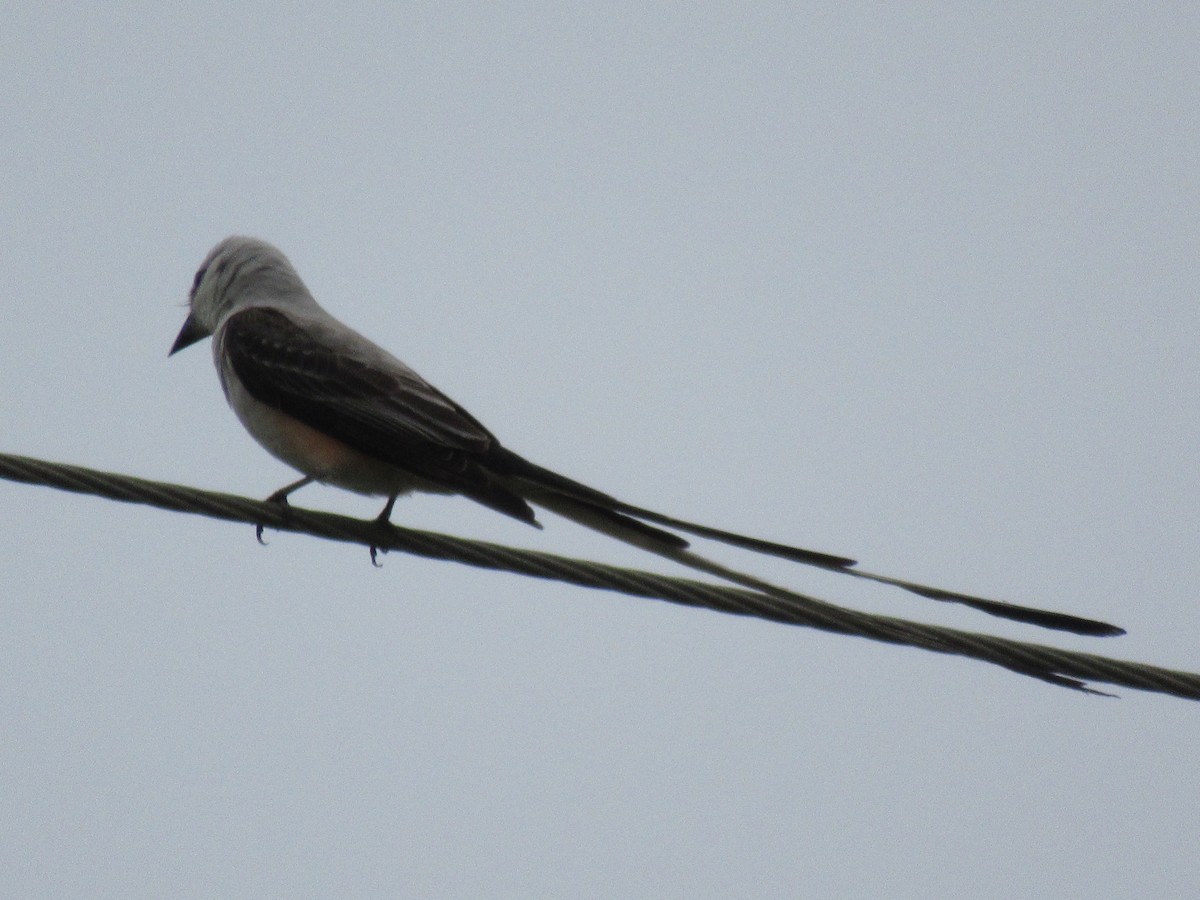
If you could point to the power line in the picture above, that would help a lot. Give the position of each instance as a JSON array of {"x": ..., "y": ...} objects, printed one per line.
[{"x": 1061, "y": 667}]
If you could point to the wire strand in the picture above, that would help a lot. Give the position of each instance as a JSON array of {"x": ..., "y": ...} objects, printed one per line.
[{"x": 1061, "y": 667}]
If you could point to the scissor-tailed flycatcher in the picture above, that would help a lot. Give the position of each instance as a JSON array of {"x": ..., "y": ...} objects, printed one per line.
[{"x": 340, "y": 409}]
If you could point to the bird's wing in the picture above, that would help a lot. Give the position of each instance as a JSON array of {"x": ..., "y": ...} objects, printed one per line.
[{"x": 336, "y": 381}]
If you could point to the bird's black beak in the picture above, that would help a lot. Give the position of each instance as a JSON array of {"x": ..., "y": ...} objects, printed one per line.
[{"x": 191, "y": 332}]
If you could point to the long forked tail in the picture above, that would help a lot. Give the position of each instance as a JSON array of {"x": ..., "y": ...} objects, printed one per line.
[{"x": 628, "y": 523}]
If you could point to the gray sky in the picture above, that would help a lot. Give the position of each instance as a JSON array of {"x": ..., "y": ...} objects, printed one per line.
[{"x": 917, "y": 286}]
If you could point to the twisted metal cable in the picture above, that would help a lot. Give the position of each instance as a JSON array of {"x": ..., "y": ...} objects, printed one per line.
[{"x": 1061, "y": 667}]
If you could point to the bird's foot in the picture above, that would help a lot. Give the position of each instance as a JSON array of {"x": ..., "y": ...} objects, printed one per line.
[
  {"x": 280, "y": 497},
  {"x": 383, "y": 520}
]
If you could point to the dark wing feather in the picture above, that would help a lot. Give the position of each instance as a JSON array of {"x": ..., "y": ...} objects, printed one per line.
[{"x": 384, "y": 411}]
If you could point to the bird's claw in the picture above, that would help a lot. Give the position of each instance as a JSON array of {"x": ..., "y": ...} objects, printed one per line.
[
  {"x": 382, "y": 521},
  {"x": 280, "y": 497}
]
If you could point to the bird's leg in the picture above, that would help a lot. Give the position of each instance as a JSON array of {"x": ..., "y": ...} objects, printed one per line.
[
  {"x": 385, "y": 514},
  {"x": 384, "y": 518},
  {"x": 280, "y": 497}
]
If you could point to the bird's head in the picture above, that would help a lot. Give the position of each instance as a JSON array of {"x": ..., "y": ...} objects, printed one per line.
[{"x": 238, "y": 272}]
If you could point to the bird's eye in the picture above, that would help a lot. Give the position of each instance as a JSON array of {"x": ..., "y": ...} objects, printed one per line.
[{"x": 199, "y": 278}]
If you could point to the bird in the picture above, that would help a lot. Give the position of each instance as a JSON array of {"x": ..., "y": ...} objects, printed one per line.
[{"x": 343, "y": 411}]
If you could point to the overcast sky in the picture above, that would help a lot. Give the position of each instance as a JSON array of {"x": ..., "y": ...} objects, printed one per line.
[{"x": 917, "y": 286}]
